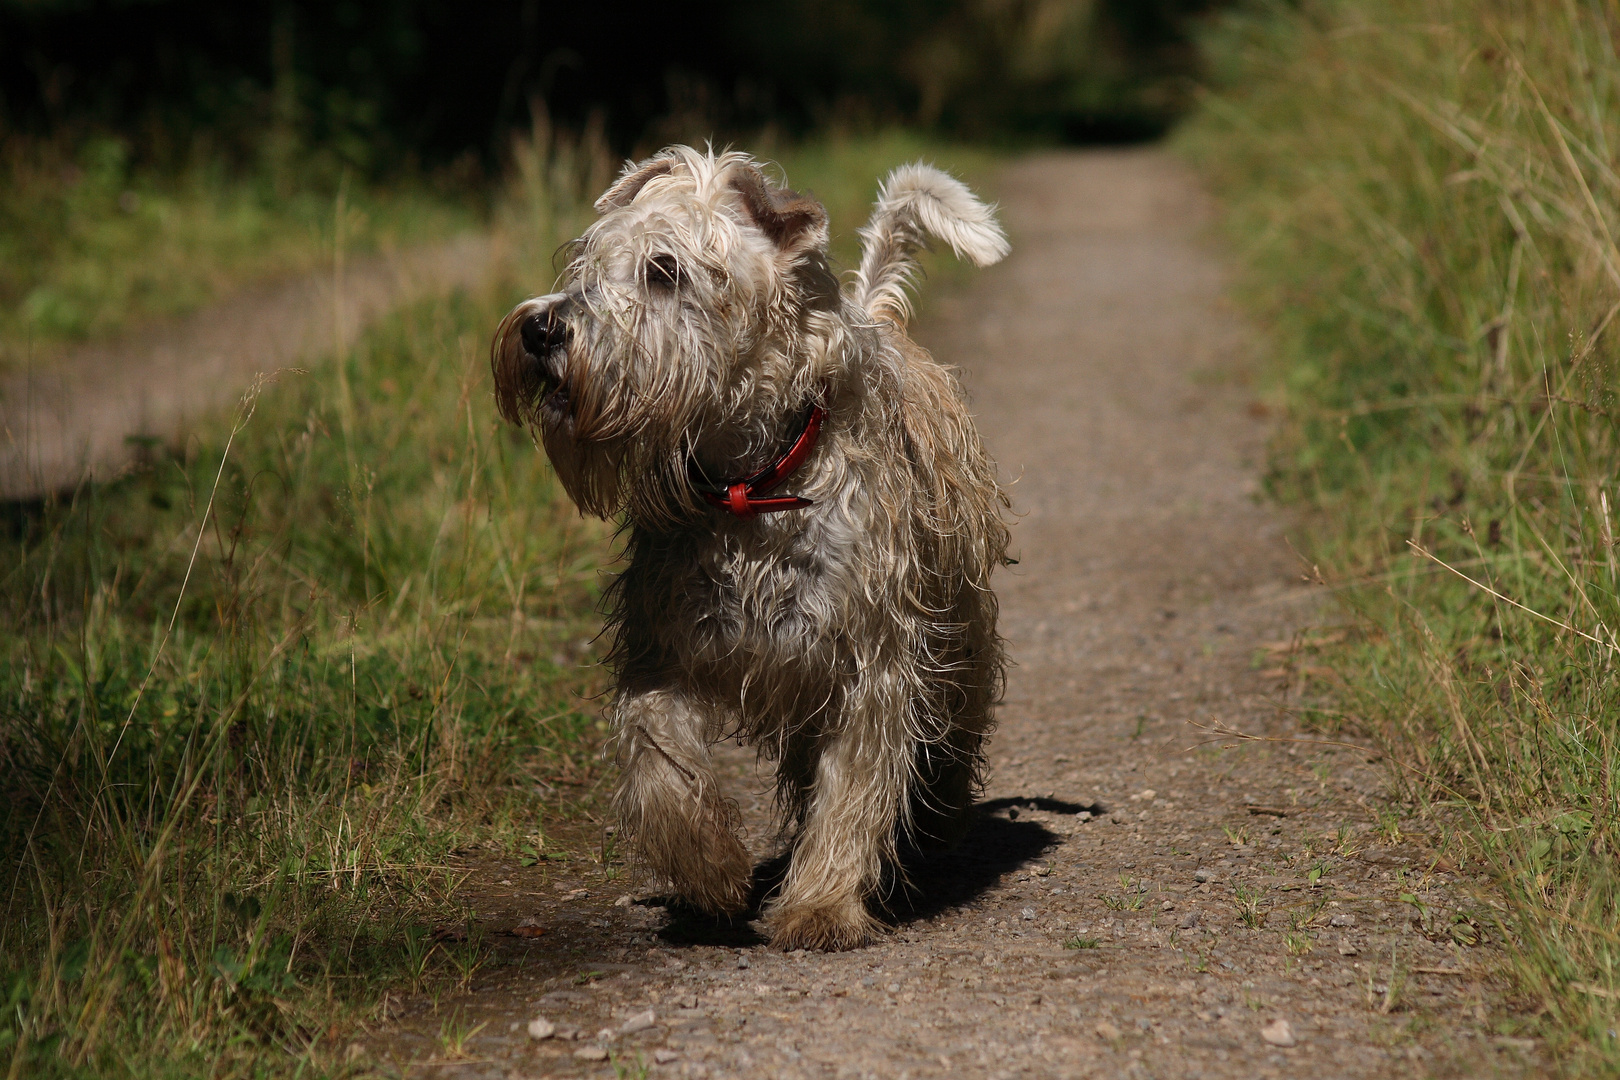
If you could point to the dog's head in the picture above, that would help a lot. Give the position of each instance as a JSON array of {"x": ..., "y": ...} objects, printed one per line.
[{"x": 686, "y": 326}]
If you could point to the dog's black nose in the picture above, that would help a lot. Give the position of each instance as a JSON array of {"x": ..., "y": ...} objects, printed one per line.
[{"x": 543, "y": 333}]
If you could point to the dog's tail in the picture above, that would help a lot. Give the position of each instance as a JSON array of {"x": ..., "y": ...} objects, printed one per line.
[{"x": 915, "y": 202}]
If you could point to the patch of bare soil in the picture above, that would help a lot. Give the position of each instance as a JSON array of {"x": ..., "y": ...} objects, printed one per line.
[
  {"x": 1135, "y": 899},
  {"x": 87, "y": 412}
]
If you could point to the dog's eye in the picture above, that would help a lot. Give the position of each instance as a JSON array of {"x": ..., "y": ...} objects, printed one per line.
[{"x": 663, "y": 270}]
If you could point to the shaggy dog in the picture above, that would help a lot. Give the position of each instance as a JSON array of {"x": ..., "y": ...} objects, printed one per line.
[{"x": 811, "y": 522}]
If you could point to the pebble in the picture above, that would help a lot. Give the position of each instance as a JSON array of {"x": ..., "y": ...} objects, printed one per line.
[
  {"x": 1167, "y": 906},
  {"x": 623, "y": 901},
  {"x": 1346, "y": 949},
  {"x": 664, "y": 1055},
  {"x": 1202, "y": 876},
  {"x": 1279, "y": 1033},
  {"x": 742, "y": 962},
  {"x": 639, "y": 1022},
  {"x": 1189, "y": 920},
  {"x": 1027, "y": 914},
  {"x": 1342, "y": 919},
  {"x": 1108, "y": 1031},
  {"x": 591, "y": 1053},
  {"x": 541, "y": 1028}
]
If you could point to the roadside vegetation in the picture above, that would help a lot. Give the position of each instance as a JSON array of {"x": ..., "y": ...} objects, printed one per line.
[
  {"x": 252, "y": 694},
  {"x": 93, "y": 244},
  {"x": 1424, "y": 195}
]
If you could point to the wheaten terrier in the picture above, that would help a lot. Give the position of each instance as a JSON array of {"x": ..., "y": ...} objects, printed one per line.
[{"x": 811, "y": 522}]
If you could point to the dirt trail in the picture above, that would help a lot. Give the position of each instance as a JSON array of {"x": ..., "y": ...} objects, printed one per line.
[
  {"x": 1097, "y": 922},
  {"x": 84, "y": 413}
]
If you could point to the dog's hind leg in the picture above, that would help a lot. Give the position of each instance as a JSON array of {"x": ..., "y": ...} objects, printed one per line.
[{"x": 669, "y": 804}]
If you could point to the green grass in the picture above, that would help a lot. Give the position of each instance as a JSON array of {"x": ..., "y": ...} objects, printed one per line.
[
  {"x": 91, "y": 246},
  {"x": 251, "y": 696},
  {"x": 1423, "y": 196}
]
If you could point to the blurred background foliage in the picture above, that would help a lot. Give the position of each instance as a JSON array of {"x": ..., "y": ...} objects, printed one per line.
[
  {"x": 378, "y": 85},
  {"x": 156, "y": 154}
]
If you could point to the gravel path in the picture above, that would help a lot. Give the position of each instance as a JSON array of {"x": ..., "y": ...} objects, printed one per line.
[{"x": 1137, "y": 899}]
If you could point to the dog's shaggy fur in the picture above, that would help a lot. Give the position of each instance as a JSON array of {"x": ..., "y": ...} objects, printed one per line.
[{"x": 852, "y": 641}]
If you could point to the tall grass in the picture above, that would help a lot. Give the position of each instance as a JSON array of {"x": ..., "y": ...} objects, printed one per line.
[
  {"x": 252, "y": 694},
  {"x": 1426, "y": 197}
]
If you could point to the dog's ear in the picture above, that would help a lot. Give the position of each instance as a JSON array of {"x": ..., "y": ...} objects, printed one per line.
[
  {"x": 791, "y": 220},
  {"x": 629, "y": 185}
]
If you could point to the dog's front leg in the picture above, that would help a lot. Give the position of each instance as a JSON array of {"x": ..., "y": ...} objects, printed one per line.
[
  {"x": 669, "y": 805},
  {"x": 859, "y": 789}
]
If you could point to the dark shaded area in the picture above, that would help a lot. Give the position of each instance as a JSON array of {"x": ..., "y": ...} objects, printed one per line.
[
  {"x": 687, "y": 926},
  {"x": 382, "y": 84},
  {"x": 996, "y": 844},
  {"x": 933, "y": 881},
  {"x": 1050, "y": 806}
]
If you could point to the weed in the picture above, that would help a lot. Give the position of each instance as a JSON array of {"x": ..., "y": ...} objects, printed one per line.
[
  {"x": 1386, "y": 998},
  {"x": 419, "y": 948},
  {"x": 454, "y": 1034},
  {"x": 1132, "y": 895},
  {"x": 1238, "y": 837},
  {"x": 1082, "y": 943},
  {"x": 1302, "y": 920},
  {"x": 1248, "y": 906},
  {"x": 628, "y": 1068},
  {"x": 1299, "y": 944}
]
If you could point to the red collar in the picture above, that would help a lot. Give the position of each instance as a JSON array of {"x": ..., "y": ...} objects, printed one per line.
[{"x": 746, "y": 498}]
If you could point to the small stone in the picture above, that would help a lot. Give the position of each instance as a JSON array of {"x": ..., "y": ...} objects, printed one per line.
[
  {"x": 1108, "y": 1031},
  {"x": 623, "y": 901},
  {"x": 1085, "y": 815},
  {"x": 1167, "y": 906},
  {"x": 1144, "y": 1024},
  {"x": 639, "y": 1022},
  {"x": 1346, "y": 949},
  {"x": 664, "y": 1055},
  {"x": 1189, "y": 920},
  {"x": 1202, "y": 876},
  {"x": 1278, "y": 1033},
  {"x": 742, "y": 963},
  {"x": 541, "y": 1028},
  {"x": 1149, "y": 795},
  {"x": 1027, "y": 914},
  {"x": 893, "y": 988},
  {"x": 605, "y": 1035},
  {"x": 591, "y": 1053},
  {"x": 1344, "y": 918},
  {"x": 504, "y": 881}
]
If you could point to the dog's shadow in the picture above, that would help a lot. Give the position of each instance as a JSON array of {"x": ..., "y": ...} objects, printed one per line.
[{"x": 930, "y": 883}]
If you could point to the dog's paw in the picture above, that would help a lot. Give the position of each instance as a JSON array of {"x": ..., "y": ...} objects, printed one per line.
[
  {"x": 716, "y": 892},
  {"x": 829, "y": 928},
  {"x": 715, "y": 875}
]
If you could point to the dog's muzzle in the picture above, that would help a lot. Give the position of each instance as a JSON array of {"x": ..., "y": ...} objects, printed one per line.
[{"x": 544, "y": 335}]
